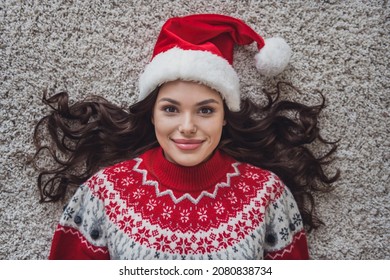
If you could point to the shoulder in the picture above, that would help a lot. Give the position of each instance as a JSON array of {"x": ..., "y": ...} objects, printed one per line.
[
  {"x": 122, "y": 174},
  {"x": 110, "y": 174},
  {"x": 263, "y": 179}
]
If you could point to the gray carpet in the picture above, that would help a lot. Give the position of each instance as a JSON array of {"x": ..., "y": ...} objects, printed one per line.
[{"x": 101, "y": 47}]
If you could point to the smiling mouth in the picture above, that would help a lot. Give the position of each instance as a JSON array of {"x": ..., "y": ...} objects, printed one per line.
[{"x": 187, "y": 144}]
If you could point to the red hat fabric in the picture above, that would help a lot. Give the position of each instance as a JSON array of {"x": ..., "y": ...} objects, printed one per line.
[{"x": 201, "y": 48}]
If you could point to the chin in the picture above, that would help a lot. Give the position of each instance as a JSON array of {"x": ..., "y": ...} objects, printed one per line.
[{"x": 188, "y": 158}]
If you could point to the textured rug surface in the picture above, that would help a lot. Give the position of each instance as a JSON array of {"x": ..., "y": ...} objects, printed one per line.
[{"x": 100, "y": 47}]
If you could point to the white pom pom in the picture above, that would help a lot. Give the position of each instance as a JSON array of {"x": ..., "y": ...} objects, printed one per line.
[{"x": 273, "y": 58}]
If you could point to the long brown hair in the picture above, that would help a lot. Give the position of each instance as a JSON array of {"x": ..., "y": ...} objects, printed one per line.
[{"x": 94, "y": 133}]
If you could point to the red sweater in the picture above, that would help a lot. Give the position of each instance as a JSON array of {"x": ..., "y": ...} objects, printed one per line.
[{"x": 150, "y": 208}]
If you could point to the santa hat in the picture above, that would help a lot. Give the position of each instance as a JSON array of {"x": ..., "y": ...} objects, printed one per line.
[{"x": 200, "y": 48}]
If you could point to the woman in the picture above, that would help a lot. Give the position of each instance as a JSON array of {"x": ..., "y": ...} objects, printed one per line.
[{"x": 192, "y": 171}]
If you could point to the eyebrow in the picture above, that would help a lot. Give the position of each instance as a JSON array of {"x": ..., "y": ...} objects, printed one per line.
[{"x": 201, "y": 103}]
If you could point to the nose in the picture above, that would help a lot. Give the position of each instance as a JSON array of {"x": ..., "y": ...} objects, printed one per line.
[{"x": 187, "y": 125}]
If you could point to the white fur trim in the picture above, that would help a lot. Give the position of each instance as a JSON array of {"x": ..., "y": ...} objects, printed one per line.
[
  {"x": 273, "y": 58},
  {"x": 192, "y": 65}
]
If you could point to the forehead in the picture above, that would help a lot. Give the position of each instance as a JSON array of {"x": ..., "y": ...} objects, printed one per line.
[{"x": 187, "y": 91}]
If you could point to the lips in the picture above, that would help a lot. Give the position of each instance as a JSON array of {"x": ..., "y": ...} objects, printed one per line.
[{"x": 187, "y": 144}]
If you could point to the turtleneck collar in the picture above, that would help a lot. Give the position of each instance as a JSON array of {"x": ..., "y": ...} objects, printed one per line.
[{"x": 187, "y": 179}]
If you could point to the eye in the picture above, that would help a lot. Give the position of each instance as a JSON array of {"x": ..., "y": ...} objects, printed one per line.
[
  {"x": 169, "y": 109},
  {"x": 206, "y": 110}
]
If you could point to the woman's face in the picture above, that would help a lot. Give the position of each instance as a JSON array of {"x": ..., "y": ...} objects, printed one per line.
[{"x": 188, "y": 118}]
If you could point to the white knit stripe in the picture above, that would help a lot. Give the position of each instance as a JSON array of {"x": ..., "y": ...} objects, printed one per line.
[
  {"x": 290, "y": 247},
  {"x": 249, "y": 247},
  {"x": 188, "y": 196},
  {"x": 83, "y": 240}
]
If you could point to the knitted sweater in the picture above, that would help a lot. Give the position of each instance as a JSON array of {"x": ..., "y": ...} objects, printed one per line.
[{"x": 150, "y": 208}]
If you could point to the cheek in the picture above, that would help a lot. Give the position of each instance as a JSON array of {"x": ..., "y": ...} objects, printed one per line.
[
  {"x": 214, "y": 129},
  {"x": 162, "y": 125}
]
